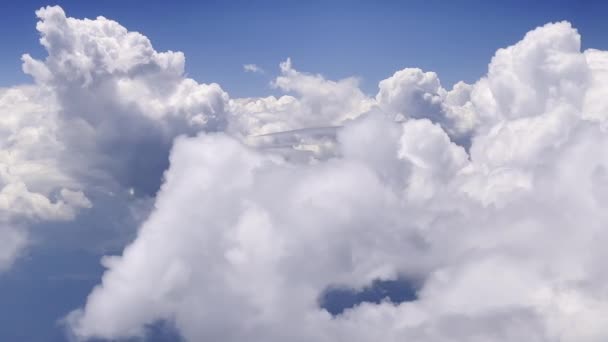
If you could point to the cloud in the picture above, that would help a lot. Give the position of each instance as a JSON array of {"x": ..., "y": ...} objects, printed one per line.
[
  {"x": 312, "y": 101},
  {"x": 100, "y": 119},
  {"x": 506, "y": 236},
  {"x": 490, "y": 195},
  {"x": 253, "y": 68},
  {"x": 33, "y": 185},
  {"x": 122, "y": 101}
]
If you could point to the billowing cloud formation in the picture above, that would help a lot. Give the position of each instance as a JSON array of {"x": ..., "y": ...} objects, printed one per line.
[
  {"x": 490, "y": 195},
  {"x": 507, "y": 237},
  {"x": 101, "y": 118},
  {"x": 316, "y": 102},
  {"x": 119, "y": 98}
]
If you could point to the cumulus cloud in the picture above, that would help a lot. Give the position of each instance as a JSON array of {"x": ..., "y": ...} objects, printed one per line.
[
  {"x": 312, "y": 101},
  {"x": 489, "y": 195},
  {"x": 101, "y": 118},
  {"x": 33, "y": 185},
  {"x": 506, "y": 235},
  {"x": 120, "y": 100}
]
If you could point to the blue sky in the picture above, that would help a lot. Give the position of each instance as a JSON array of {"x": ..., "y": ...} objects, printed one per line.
[{"x": 368, "y": 39}]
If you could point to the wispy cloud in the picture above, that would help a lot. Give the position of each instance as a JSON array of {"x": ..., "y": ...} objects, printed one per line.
[{"x": 253, "y": 68}]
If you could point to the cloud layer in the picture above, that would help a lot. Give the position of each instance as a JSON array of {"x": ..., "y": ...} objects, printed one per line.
[{"x": 489, "y": 195}]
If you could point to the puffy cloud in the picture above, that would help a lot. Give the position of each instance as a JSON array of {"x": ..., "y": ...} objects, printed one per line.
[
  {"x": 120, "y": 102},
  {"x": 314, "y": 102},
  {"x": 326, "y": 101},
  {"x": 413, "y": 93},
  {"x": 30, "y": 169},
  {"x": 505, "y": 236},
  {"x": 33, "y": 185},
  {"x": 100, "y": 118},
  {"x": 544, "y": 70}
]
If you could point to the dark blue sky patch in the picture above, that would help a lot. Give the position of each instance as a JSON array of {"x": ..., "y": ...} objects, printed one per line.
[
  {"x": 160, "y": 331},
  {"x": 60, "y": 268},
  {"x": 45, "y": 286},
  {"x": 41, "y": 289},
  {"x": 336, "y": 299}
]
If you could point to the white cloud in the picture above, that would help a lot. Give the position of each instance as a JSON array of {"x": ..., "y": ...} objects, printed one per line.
[
  {"x": 507, "y": 239},
  {"x": 120, "y": 102},
  {"x": 101, "y": 118},
  {"x": 33, "y": 185},
  {"x": 506, "y": 236},
  {"x": 253, "y": 68},
  {"x": 313, "y": 101}
]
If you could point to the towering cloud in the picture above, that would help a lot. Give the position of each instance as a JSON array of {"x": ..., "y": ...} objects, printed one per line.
[
  {"x": 100, "y": 118},
  {"x": 489, "y": 196},
  {"x": 119, "y": 99}
]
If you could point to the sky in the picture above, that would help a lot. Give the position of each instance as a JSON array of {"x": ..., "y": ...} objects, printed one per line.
[
  {"x": 303, "y": 171},
  {"x": 367, "y": 39}
]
